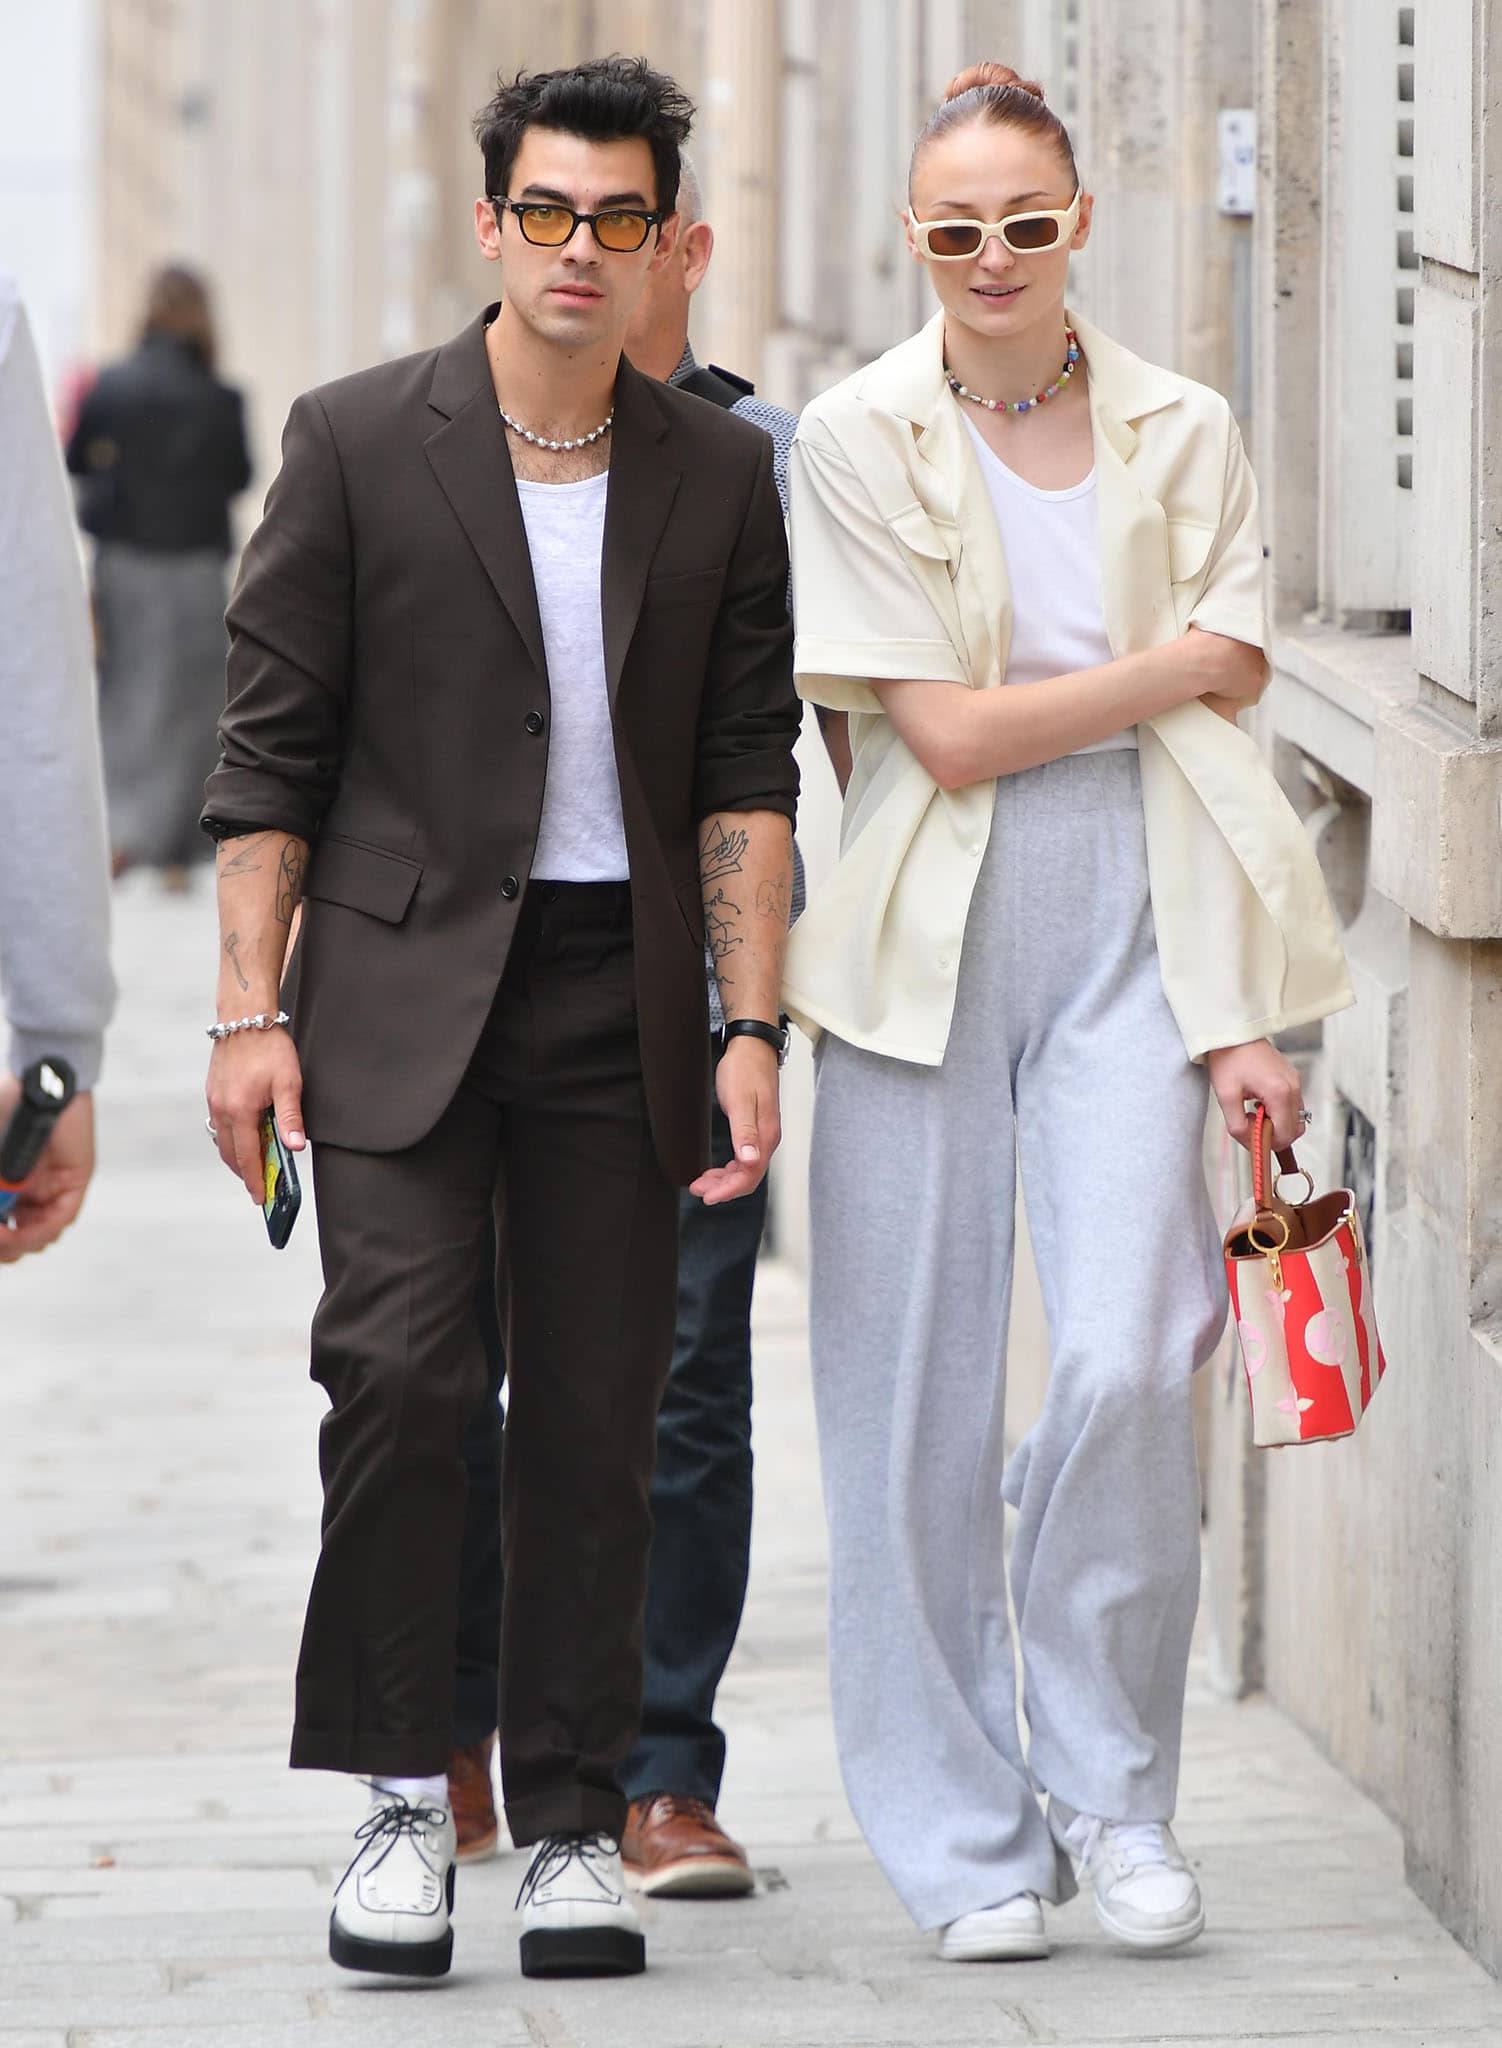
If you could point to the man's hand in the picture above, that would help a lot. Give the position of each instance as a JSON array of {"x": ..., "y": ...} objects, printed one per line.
[
  {"x": 1257, "y": 1071},
  {"x": 53, "y": 1195},
  {"x": 746, "y": 1084},
  {"x": 248, "y": 1074}
]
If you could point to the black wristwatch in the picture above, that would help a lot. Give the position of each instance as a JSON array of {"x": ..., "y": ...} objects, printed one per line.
[{"x": 752, "y": 1027}]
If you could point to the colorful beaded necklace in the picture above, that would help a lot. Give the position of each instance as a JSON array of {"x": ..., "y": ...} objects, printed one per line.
[{"x": 1022, "y": 404}]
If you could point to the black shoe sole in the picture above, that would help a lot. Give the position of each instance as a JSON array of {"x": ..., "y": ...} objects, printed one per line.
[
  {"x": 392, "y": 1958},
  {"x": 583, "y": 1952},
  {"x": 395, "y": 1958}
]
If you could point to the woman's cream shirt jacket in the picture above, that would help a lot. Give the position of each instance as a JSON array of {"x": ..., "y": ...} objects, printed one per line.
[{"x": 898, "y": 572}]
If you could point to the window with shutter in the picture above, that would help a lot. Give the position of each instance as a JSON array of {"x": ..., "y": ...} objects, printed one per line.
[{"x": 1371, "y": 273}]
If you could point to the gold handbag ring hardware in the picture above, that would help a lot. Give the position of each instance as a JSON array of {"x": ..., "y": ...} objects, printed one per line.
[
  {"x": 1268, "y": 1250},
  {"x": 1299, "y": 1173}
]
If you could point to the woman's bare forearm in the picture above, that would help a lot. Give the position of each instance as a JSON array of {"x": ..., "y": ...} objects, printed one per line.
[
  {"x": 260, "y": 882},
  {"x": 746, "y": 873},
  {"x": 963, "y": 736}
]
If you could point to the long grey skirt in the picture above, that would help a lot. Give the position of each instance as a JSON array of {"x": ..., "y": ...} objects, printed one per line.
[{"x": 160, "y": 618}]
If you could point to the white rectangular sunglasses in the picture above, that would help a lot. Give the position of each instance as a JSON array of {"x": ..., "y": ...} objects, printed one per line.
[{"x": 1025, "y": 234}]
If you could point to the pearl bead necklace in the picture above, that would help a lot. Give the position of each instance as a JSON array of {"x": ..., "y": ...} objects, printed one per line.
[
  {"x": 540, "y": 440},
  {"x": 1022, "y": 404}
]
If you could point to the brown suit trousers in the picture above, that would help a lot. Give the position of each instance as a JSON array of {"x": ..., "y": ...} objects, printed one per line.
[{"x": 550, "y": 1131}]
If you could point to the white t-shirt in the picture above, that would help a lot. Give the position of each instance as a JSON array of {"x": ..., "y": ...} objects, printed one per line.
[
  {"x": 1051, "y": 540},
  {"x": 581, "y": 837}
]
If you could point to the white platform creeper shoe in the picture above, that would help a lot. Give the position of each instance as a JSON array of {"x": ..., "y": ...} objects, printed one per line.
[
  {"x": 392, "y": 1905},
  {"x": 576, "y": 1918},
  {"x": 1145, "y": 1893}
]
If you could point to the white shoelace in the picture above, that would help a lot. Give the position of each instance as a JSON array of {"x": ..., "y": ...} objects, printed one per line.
[{"x": 1140, "y": 1843}]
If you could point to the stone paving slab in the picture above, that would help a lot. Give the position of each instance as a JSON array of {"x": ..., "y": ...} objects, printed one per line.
[{"x": 164, "y": 1879}]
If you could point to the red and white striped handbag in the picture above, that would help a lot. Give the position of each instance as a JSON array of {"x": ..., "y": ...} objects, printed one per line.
[{"x": 1301, "y": 1293}]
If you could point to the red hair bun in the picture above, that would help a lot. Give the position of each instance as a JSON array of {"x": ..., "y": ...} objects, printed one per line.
[{"x": 975, "y": 76}]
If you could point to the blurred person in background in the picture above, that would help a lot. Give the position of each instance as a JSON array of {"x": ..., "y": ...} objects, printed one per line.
[
  {"x": 160, "y": 449},
  {"x": 54, "y": 891},
  {"x": 673, "y": 1845}
]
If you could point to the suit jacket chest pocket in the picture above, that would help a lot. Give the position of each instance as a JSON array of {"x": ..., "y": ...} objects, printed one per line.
[{"x": 697, "y": 589}]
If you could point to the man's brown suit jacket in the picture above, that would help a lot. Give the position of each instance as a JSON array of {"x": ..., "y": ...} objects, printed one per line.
[{"x": 388, "y": 701}]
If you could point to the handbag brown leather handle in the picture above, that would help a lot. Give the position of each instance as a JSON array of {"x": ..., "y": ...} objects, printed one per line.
[{"x": 1264, "y": 1186}]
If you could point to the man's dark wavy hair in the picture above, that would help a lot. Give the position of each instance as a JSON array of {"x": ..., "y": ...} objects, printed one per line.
[{"x": 607, "y": 99}]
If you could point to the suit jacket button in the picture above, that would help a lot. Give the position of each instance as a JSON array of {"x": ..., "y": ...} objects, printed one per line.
[
  {"x": 510, "y": 887},
  {"x": 533, "y": 721}
]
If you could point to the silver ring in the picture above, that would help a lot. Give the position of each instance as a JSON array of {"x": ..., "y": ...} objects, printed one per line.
[
  {"x": 211, "y": 1127},
  {"x": 1306, "y": 1116}
]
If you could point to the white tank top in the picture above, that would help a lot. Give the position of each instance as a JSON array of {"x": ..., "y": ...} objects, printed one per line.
[{"x": 1051, "y": 541}]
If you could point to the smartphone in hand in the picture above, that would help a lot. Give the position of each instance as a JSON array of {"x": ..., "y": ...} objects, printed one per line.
[{"x": 283, "y": 1189}]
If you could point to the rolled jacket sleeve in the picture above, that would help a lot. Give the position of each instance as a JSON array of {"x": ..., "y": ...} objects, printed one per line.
[
  {"x": 862, "y": 614},
  {"x": 1231, "y": 599},
  {"x": 290, "y": 630},
  {"x": 750, "y": 715}
]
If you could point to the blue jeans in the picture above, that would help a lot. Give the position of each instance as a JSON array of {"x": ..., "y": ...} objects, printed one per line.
[{"x": 701, "y": 1508}]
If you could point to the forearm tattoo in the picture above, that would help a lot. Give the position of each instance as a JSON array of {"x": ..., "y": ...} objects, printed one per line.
[
  {"x": 721, "y": 852},
  {"x": 774, "y": 898},
  {"x": 721, "y": 916},
  {"x": 289, "y": 881},
  {"x": 232, "y": 954},
  {"x": 247, "y": 861}
]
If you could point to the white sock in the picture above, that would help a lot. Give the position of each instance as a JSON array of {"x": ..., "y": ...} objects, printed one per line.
[{"x": 416, "y": 1791}]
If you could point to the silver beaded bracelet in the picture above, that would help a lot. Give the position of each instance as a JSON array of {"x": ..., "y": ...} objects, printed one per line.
[{"x": 259, "y": 1022}]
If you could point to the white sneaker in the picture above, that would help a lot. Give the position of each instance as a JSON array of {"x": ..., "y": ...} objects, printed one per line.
[
  {"x": 576, "y": 1918},
  {"x": 392, "y": 1905},
  {"x": 1009, "y": 1933},
  {"x": 1145, "y": 1893}
]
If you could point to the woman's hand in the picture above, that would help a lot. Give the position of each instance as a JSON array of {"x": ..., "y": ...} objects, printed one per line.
[
  {"x": 1217, "y": 668},
  {"x": 1257, "y": 1072}
]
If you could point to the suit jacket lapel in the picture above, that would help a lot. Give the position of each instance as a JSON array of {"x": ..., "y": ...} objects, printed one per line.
[
  {"x": 470, "y": 459},
  {"x": 643, "y": 485}
]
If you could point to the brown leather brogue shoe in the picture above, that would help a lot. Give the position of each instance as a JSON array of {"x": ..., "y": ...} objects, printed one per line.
[
  {"x": 473, "y": 1801},
  {"x": 674, "y": 1848}
]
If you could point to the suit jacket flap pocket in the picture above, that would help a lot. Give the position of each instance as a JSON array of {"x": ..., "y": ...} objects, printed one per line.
[{"x": 363, "y": 878}]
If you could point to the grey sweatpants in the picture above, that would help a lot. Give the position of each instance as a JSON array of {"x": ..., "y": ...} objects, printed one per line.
[{"x": 1063, "y": 1054}]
